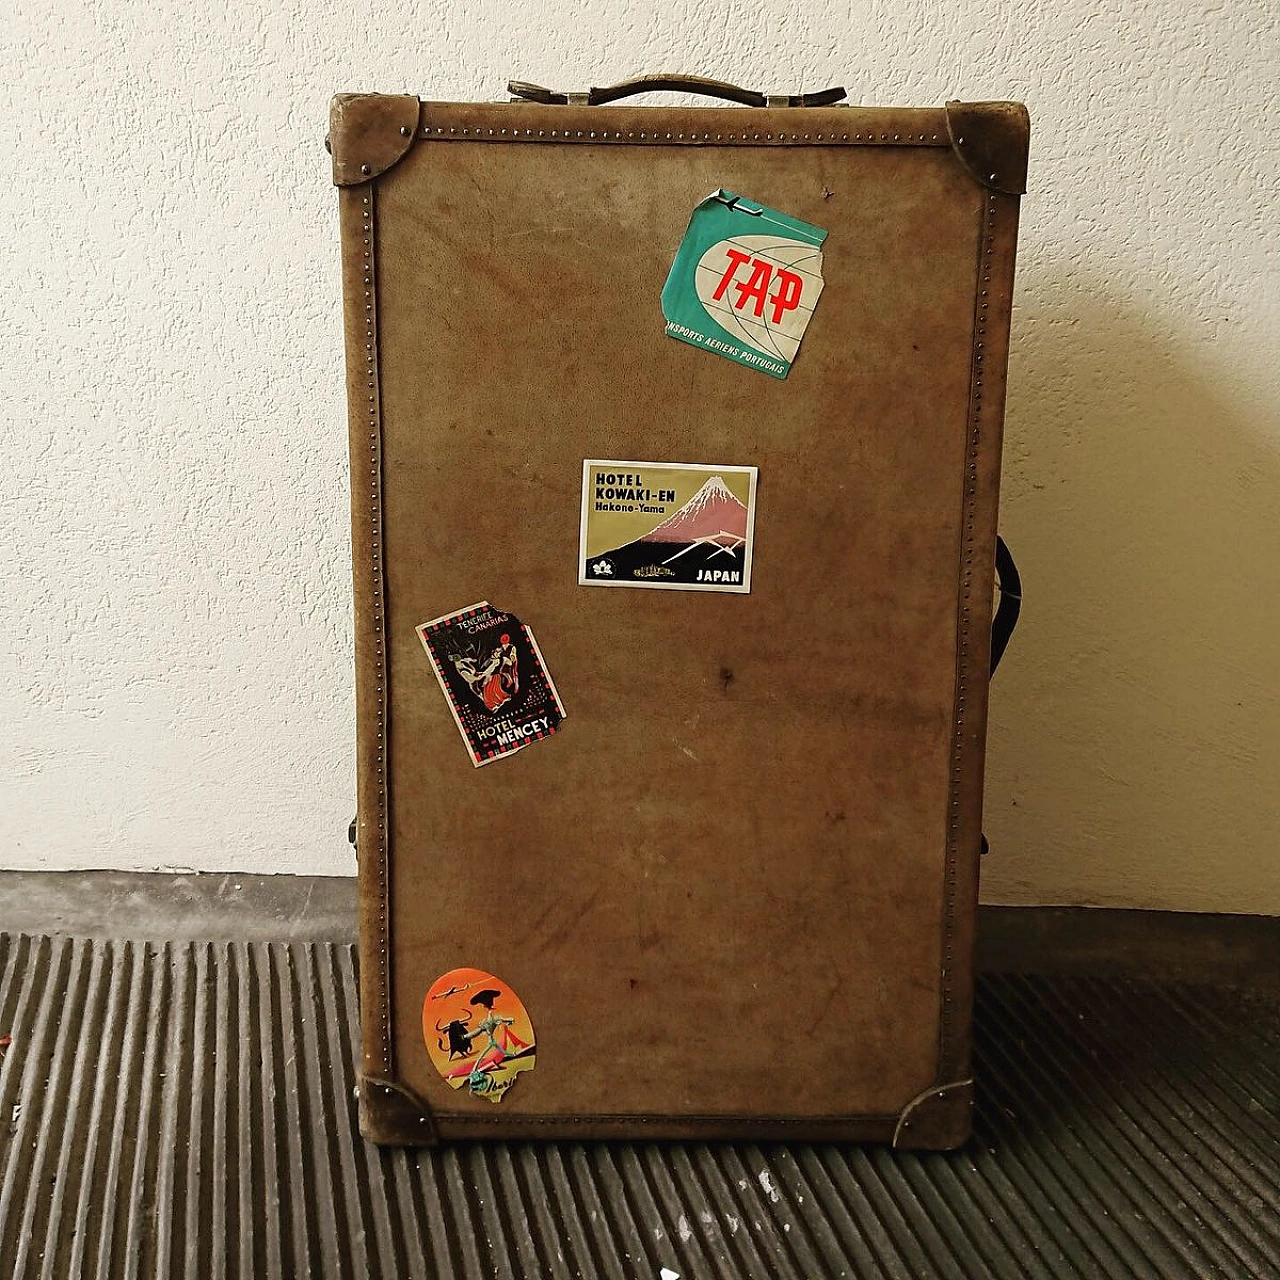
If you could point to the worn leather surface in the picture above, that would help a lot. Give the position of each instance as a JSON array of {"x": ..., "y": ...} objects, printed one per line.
[{"x": 736, "y": 891}]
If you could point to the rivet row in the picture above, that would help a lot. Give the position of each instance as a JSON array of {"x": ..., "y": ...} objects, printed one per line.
[
  {"x": 379, "y": 852},
  {"x": 643, "y": 135}
]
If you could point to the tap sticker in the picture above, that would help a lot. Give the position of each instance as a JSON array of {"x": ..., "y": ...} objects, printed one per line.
[
  {"x": 681, "y": 526},
  {"x": 478, "y": 1032},
  {"x": 745, "y": 282},
  {"x": 493, "y": 674}
]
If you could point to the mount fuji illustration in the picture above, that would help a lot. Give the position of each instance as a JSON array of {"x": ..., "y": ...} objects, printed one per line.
[
  {"x": 712, "y": 512},
  {"x": 701, "y": 544}
]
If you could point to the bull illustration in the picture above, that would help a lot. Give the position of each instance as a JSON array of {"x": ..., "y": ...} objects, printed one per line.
[{"x": 459, "y": 1045}]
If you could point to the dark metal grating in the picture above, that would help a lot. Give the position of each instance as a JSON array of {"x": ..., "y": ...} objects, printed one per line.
[{"x": 187, "y": 1109}]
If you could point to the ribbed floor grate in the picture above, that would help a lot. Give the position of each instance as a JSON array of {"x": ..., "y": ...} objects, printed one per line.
[{"x": 187, "y": 1109}]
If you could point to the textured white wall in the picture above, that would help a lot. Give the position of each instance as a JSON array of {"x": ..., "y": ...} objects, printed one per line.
[{"x": 175, "y": 687}]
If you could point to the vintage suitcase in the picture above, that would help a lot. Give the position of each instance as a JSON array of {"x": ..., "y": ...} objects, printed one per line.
[{"x": 731, "y": 876}]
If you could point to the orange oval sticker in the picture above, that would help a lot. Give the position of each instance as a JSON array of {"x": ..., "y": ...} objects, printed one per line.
[{"x": 478, "y": 1032}]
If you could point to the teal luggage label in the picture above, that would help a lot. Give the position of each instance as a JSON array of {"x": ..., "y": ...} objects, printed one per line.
[{"x": 745, "y": 283}]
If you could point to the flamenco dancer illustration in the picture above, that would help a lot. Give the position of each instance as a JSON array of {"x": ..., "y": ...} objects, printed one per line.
[{"x": 496, "y": 680}]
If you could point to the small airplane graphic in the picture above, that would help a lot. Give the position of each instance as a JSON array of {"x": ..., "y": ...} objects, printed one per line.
[{"x": 453, "y": 991}]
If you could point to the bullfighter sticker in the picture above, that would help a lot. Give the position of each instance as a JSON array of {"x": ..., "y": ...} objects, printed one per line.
[
  {"x": 744, "y": 282},
  {"x": 677, "y": 526},
  {"x": 494, "y": 678},
  {"x": 478, "y": 1033}
]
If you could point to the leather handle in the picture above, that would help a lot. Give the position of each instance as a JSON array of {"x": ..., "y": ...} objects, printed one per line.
[{"x": 673, "y": 83}]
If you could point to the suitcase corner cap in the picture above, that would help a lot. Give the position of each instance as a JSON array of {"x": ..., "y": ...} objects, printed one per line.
[
  {"x": 368, "y": 133},
  {"x": 991, "y": 140},
  {"x": 392, "y": 1114},
  {"x": 939, "y": 1119}
]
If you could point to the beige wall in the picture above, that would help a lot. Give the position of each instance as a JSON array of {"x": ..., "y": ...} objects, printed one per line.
[
  {"x": 1135, "y": 724},
  {"x": 175, "y": 683}
]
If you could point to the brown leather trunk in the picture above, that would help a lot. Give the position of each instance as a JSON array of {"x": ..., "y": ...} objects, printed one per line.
[{"x": 736, "y": 891}]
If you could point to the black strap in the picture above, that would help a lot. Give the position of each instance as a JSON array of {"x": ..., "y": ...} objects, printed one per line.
[
  {"x": 1002, "y": 625},
  {"x": 1010, "y": 606}
]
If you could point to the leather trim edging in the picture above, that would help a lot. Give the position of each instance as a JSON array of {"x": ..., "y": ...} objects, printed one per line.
[
  {"x": 991, "y": 140},
  {"x": 368, "y": 133},
  {"x": 995, "y": 252},
  {"x": 950, "y": 1053},
  {"x": 364, "y": 407}
]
